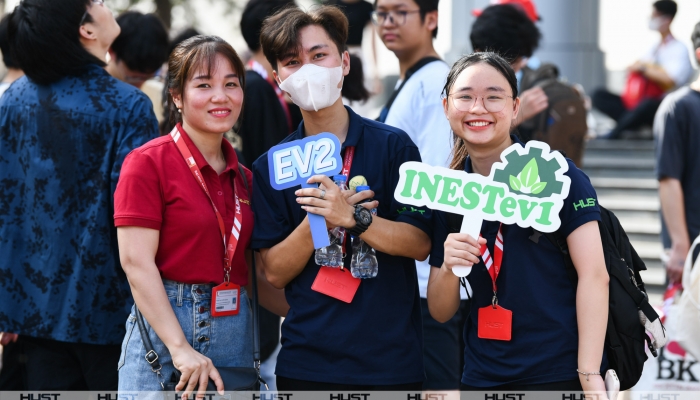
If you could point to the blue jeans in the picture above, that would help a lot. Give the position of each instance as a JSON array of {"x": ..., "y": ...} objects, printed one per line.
[{"x": 227, "y": 341}]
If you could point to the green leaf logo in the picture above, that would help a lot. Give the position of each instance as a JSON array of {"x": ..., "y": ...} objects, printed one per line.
[
  {"x": 528, "y": 180},
  {"x": 514, "y": 183},
  {"x": 530, "y": 174},
  {"x": 537, "y": 188}
]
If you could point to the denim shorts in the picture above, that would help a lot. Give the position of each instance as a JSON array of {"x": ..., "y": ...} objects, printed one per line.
[{"x": 227, "y": 341}]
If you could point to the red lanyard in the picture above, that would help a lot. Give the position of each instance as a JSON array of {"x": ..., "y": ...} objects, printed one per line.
[
  {"x": 347, "y": 162},
  {"x": 493, "y": 265},
  {"x": 229, "y": 249},
  {"x": 255, "y": 66}
]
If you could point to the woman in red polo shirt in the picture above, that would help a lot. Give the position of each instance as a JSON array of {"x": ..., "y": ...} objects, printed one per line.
[{"x": 179, "y": 199}]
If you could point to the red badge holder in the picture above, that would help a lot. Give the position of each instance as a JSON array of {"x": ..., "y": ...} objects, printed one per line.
[
  {"x": 225, "y": 299},
  {"x": 495, "y": 322},
  {"x": 337, "y": 283}
]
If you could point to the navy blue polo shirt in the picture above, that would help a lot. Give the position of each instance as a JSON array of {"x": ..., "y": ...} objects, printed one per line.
[
  {"x": 534, "y": 285},
  {"x": 376, "y": 339}
]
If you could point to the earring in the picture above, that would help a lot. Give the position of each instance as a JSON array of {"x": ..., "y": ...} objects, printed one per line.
[{"x": 179, "y": 111}]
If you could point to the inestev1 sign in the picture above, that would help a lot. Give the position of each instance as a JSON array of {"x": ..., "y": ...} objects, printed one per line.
[{"x": 527, "y": 187}]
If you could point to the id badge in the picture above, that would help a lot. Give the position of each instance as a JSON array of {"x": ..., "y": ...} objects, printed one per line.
[
  {"x": 225, "y": 299},
  {"x": 495, "y": 323},
  {"x": 337, "y": 283}
]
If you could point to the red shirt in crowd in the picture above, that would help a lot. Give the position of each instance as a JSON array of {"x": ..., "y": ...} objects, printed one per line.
[{"x": 156, "y": 190}]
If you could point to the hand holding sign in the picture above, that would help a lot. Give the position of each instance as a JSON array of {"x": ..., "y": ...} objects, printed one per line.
[
  {"x": 527, "y": 187},
  {"x": 293, "y": 163}
]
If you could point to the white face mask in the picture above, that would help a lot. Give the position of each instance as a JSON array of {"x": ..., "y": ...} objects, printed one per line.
[
  {"x": 655, "y": 23},
  {"x": 314, "y": 88}
]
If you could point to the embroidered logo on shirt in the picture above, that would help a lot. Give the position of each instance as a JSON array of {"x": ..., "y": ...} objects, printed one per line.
[{"x": 581, "y": 204}]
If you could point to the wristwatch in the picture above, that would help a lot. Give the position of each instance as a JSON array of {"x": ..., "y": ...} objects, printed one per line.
[{"x": 363, "y": 218}]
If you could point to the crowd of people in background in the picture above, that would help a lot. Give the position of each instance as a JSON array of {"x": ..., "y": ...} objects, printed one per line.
[{"x": 102, "y": 226}]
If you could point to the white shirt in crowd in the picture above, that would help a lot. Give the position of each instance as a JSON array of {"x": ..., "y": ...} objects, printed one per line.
[
  {"x": 673, "y": 57},
  {"x": 418, "y": 111}
]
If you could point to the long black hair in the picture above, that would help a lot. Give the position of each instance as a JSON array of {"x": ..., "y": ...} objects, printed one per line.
[{"x": 459, "y": 150}]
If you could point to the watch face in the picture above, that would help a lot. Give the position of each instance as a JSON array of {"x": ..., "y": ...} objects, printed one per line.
[{"x": 365, "y": 216}]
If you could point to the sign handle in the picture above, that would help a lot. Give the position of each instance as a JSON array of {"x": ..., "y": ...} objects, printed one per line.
[
  {"x": 471, "y": 225},
  {"x": 319, "y": 232}
]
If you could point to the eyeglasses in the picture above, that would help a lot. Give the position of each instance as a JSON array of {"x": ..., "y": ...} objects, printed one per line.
[
  {"x": 492, "y": 102},
  {"x": 395, "y": 17},
  {"x": 98, "y": 2}
]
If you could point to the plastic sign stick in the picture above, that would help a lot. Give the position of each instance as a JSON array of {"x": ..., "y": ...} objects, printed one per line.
[
  {"x": 527, "y": 187},
  {"x": 293, "y": 163}
]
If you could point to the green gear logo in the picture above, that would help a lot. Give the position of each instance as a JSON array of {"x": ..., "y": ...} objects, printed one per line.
[{"x": 530, "y": 174}]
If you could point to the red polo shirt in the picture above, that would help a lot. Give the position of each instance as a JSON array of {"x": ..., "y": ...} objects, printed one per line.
[{"x": 156, "y": 190}]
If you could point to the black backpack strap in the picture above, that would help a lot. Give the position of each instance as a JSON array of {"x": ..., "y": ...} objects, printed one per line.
[{"x": 414, "y": 68}]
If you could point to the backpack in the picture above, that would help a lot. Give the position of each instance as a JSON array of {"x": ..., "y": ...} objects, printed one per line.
[
  {"x": 625, "y": 336},
  {"x": 563, "y": 124}
]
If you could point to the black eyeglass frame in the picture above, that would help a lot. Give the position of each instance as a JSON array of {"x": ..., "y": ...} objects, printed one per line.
[{"x": 393, "y": 16}]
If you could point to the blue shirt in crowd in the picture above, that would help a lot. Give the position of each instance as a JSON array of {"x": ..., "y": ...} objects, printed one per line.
[
  {"x": 534, "y": 285},
  {"x": 61, "y": 149},
  {"x": 376, "y": 339}
]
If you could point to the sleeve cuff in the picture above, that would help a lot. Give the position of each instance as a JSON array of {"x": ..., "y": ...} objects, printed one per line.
[
  {"x": 136, "y": 221},
  {"x": 593, "y": 215},
  {"x": 435, "y": 262}
]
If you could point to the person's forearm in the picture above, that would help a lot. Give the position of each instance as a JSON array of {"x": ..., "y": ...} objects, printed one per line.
[
  {"x": 673, "y": 211},
  {"x": 443, "y": 294},
  {"x": 284, "y": 261},
  {"x": 397, "y": 239},
  {"x": 271, "y": 298},
  {"x": 657, "y": 74},
  {"x": 592, "y": 318},
  {"x": 150, "y": 297}
]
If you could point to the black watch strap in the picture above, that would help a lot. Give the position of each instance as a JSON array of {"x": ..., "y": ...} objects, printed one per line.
[{"x": 360, "y": 227}]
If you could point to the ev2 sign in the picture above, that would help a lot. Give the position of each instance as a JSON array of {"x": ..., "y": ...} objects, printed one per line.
[{"x": 292, "y": 163}]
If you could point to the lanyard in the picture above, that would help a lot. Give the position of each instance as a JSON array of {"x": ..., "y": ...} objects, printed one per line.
[
  {"x": 347, "y": 162},
  {"x": 255, "y": 66},
  {"x": 229, "y": 249},
  {"x": 493, "y": 265}
]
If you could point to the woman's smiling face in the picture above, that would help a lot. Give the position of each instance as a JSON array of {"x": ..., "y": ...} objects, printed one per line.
[{"x": 480, "y": 106}]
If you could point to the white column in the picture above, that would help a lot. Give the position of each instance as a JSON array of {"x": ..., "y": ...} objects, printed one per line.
[{"x": 570, "y": 40}]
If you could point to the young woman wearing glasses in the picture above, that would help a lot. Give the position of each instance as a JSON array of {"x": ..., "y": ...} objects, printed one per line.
[{"x": 557, "y": 329}]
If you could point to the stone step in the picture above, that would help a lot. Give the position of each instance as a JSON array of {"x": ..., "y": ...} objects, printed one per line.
[
  {"x": 656, "y": 295},
  {"x": 643, "y": 237},
  {"x": 654, "y": 277},
  {"x": 624, "y": 183},
  {"x": 631, "y": 215},
  {"x": 639, "y": 203},
  {"x": 591, "y": 162},
  {"x": 626, "y": 154},
  {"x": 643, "y": 225},
  {"x": 617, "y": 173},
  {"x": 627, "y": 193},
  {"x": 601, "y": 144},
  {"x": 650, "y": 251}
]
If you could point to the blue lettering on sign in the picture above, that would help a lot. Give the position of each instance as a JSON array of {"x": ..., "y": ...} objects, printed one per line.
[{"x": 292, "y": 163}]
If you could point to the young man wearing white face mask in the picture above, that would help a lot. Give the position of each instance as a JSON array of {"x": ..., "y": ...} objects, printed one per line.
[
  {"x": 374, "y": 341},
  {"x": 665, "y": 65}
]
